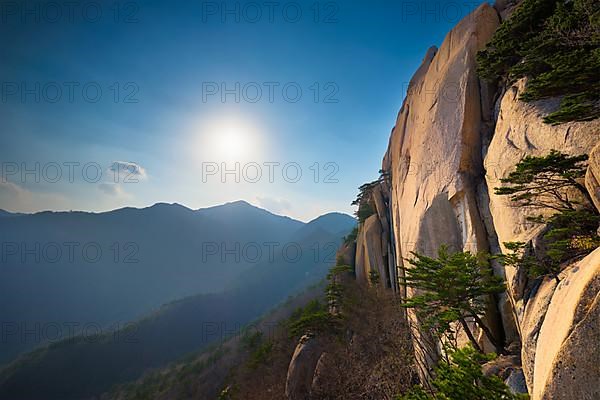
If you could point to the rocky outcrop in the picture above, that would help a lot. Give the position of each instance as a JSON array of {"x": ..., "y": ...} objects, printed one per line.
[
  {"x": 455, "y": 137},
  {"x": 520, "y": 131},
  {"x": 302, "y": 368},
  {"x": 370, "y": 251},
  {"x": 434, "y": 154},
  {"x": 592, "y": 178},
  {"x": 434, "y": 151},
  {"x": 560, "y": 337},
  {"x": 568, "y": 345},
  {"x": 531, "y": 324},
  {"x": 320, "y": 378},
  {"x": 346, "y": 254},
  {"x": 375, "y": 260}
]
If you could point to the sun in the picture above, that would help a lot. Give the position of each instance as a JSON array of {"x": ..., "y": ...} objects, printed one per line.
[{"x": 231, "y": 138}]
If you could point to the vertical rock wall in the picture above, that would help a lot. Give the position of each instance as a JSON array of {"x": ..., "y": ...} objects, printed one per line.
[
  {"x": 592, "y": 178},
  {"x": 454, "y": 138},
  {"x": 543, "y": 310},
  {"x": 520, "y": 131},
  {"x": 434, "y": 155}
]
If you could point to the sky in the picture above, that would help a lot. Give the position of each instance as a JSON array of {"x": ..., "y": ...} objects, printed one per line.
[{"x": 287, "y": 105}]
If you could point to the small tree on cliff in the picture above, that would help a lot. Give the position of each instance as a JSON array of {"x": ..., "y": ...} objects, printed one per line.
[
  {"x": 553, "y": 182},
  {"x": 452, "y": 287},
  {"x": 364, "y": 201},
  {"x": 547, "y": 182},
  {"x": 463, "y": 379}
]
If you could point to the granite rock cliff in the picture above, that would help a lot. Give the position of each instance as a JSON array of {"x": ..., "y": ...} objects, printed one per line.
[{"x": 454, "y": 138}]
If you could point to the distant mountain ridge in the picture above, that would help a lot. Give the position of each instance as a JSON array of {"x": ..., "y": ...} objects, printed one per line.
[
  {"x": 4, "y": 213},
  {"x": 232, "y": 205},
  {"x": 148, "y": 257},
  {"x": 80, "y": 369}
]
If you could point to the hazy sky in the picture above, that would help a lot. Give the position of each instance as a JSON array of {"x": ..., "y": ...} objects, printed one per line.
[{"x": 112, "y": 104}]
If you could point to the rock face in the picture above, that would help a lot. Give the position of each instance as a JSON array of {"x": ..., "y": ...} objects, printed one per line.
[
  {"x": 592, "y": 178},
  {"x": 534, "y": 314},
  {"x": 302, "y": 369},
  {"x": 346, "y": 254},
  {"x": 520, "y": 131},
  {"x": 434, "y": 154},
  {"x": 375, "y": 259},
  {"x": 369, "y": 251},
  {"x": 453, "y": 140},
  {"x": 568, "y": 347}
]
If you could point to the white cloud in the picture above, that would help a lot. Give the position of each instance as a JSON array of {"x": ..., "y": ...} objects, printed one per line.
[{"x": 127, "y": 172}]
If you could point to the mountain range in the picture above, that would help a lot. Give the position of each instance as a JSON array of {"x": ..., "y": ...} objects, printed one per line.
[{"x": 69, "y": 273}]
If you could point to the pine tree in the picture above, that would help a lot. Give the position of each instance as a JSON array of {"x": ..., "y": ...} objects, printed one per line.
[
  {"x": 452, "y": 287},
  {"x": 546, "y": 181},
  {"x": 552, "y": 182},
  {"x": 463, "y": 379},
  {"x": 556, "y": 45}
]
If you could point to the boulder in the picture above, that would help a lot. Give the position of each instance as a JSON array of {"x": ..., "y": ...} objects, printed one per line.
[
  {"x": 371, "y": 248},
  {"x": 501, "y": 366},
  {"x": 516, "y": 381},
  {"x": 568, "y": 347},
  {"x": 302, "y": 368}
]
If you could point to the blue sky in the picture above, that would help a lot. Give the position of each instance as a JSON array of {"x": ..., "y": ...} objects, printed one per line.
[{"x": 140, "y": 87}]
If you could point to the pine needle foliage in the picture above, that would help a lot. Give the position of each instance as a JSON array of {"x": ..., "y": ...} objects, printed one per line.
[
  {"x": 463, "y": 379},
  {"x": 547, "y": 181},
  {"x": 552, "y": 182},
  {"x": 452, "y": 287},
  {"x": 556, "y": 45}
]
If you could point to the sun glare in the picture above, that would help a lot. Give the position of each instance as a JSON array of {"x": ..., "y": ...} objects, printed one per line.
[{"x": 230, "y": 139}]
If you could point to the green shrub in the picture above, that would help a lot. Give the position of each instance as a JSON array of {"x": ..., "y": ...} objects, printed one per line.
[
  {"x": 313, "y": 321},
  {"x": 365, "y": 210},
  {"x": 518, "y": 255},
  {"x": 571, "y": 234},
  {"x": 260, "y": 355},
  {"x": 545, "y": 182},
  {"x": 452, "y": 287},
  {"x": 549, "y": 182},
  {"x": 463, "y": 379},
  {"x": 251, "y": 340},
  {"x": 351, "y": 237},
  {"x": 364, "y": 199},
  {"x": 374, "y": 277},
  {"x": 556, "y": 44}
]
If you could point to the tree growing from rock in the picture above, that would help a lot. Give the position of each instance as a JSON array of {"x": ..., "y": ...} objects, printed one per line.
[
  {"x": 463, "y": 379},
  {"x": 452, "y": 287},
  {"x": 552, "y": 182},
  {"x": 547, "y": 182},
  {"x": 555, "y": 44},
  {"x": 364, "y": 201}
]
